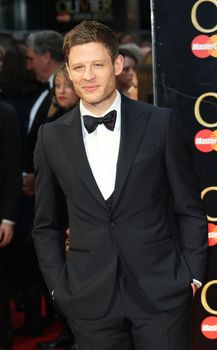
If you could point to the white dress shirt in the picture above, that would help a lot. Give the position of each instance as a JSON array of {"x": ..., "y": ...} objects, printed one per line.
[{"x": 102, "y": 148}]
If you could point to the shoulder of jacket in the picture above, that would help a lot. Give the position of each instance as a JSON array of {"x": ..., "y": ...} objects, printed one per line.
[{"x": 147, "y": 107}]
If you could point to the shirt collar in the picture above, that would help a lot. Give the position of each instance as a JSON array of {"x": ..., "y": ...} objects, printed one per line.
[
  {"x": 116, "y": 105},
  {"x": 51, "y": 81}
]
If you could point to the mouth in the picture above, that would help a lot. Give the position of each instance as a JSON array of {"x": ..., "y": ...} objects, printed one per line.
[{"x": 90, "y": 88}]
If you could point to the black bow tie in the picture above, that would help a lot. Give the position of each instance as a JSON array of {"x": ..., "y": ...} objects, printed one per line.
[{"x": 108, "y": 120}]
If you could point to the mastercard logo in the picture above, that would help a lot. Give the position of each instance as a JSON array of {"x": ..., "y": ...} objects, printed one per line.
[
  {"x": 206, "y": 140},
  {"x": 212, "y": 235},
  {"x": 204, "y": 46},
  {"x": 209, "y": 327}
]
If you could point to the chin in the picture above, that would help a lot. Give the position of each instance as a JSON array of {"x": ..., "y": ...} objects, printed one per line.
[
  {"x": 90, "y": 100},
  {"x": 64, "y": 106}
]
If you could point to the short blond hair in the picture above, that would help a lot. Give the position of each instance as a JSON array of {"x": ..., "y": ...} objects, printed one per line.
[{"x": 91, "y": 31}]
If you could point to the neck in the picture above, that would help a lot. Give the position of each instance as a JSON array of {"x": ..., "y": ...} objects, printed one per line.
[{"x": 99, "y": 108}]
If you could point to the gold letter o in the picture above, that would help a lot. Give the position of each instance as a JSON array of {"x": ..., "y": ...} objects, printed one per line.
[
  {"x": 204, "y": 297},
  {"x": 194, "y": 16},
  {"x": 197, "y": 110},
  {"x": 208, "y": 189}
]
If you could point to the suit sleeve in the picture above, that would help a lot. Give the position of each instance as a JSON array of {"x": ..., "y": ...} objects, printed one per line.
[
  {"x": 50, "y": 217},
  {"x": 187, "y": 205}
]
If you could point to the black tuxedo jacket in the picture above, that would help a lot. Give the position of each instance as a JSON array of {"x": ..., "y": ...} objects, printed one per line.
[
  {"x": 31, "y": 137},
  {"x": 10, "y": 163},
  {"x": 154, "y": 169}
]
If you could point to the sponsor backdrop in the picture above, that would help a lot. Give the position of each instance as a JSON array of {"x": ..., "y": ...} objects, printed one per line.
[{"x": 185, "y": 78}]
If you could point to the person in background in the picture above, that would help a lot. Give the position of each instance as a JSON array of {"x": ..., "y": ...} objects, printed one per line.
[
  {"x": 127, "y": 80},
  {"x": 134, "y": 49},
  {"x": 142, "y": 85},
  {"x": 146, "y": 49},
  {"x": 44, "y": 56},
  {"x": 116, "y": 165},
  {"x": 10, "y": 184},
  {"x": 64, "y": 97},
  {"x": 20, "y": 89},
  {"x": 145, "y": 77},
  {"x": 18, "y": 86}
]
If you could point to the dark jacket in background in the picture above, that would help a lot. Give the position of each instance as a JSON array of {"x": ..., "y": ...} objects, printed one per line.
[{"x": 10, "y": 165}]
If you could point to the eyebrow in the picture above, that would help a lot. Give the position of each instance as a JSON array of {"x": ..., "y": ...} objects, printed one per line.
[{"x": 82, "y": 63}]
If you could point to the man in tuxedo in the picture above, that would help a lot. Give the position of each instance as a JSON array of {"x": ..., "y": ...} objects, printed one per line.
[
  {"x": 44, "y": 55},
  {"x": 10, "y": 182},
  {"x": 114, "y": 168}
]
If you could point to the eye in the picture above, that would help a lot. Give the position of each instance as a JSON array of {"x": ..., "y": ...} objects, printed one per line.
[
  {"x": 78, "y": 68},
  {"x": 68, "y": 85},
  {"x": 98, "y": 65}
]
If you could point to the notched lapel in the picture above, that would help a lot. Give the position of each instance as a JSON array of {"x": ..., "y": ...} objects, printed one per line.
[
  {"x": 133, "y": 125},
  {"x": 72, "y": 140}
]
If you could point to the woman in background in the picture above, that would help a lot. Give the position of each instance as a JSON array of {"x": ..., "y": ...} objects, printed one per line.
[{"x": 64, "y": 97}]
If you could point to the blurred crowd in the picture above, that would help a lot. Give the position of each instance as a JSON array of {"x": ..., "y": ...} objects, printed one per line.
[{"x": 34, "y": 89}]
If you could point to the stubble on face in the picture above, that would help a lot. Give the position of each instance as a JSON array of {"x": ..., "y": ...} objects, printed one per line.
[{"x": 93, "y": 75}]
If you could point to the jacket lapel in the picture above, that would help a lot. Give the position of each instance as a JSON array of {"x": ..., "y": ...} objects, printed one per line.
[
  {"x": 133, "y": 124},
  {"x": 72, "y": 140},
  {"x": 41, "y": 114}
]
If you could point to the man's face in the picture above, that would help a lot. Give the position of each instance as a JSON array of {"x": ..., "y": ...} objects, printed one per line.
[
  {"x": 37, "y": 63},
  {"x": 94, "y": 75},
  {"x": 125, "y": 79}
]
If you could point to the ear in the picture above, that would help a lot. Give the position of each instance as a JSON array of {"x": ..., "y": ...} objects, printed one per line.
[
  {"x": 68, "y": 70},
  {"x": 47, "y": 57},
  {"x": 118, "y": 64}
]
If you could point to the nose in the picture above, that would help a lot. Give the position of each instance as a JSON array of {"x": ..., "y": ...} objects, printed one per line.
[
  {"x": 89, "y": 73},
  {"x": 62, "y": 88}
]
